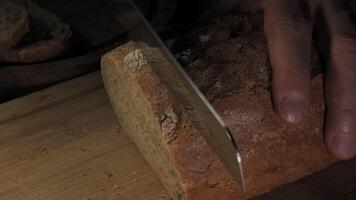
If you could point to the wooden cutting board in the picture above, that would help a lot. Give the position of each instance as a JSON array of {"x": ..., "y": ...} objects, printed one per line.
[{"x": 63, "y": 143}]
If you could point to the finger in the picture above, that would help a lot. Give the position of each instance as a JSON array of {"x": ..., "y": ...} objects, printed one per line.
[
  {"x": 340, "y": 81},
  {"x": 288, "y": 27}
]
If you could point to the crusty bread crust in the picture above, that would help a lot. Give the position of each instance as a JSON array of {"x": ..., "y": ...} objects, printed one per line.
[
  {"x": 234, "y": 74},
  {"x": 16, "y": 26},
  {"x": 39, "y": 51},
  {"x": 49, "y": 37}
]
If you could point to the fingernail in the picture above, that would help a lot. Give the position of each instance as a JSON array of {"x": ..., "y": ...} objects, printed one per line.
[
  {"x": 292, "y": 110},
  {"x": 343, "y": 146}
]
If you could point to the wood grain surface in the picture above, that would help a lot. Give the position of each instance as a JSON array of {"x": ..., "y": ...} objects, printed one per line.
[{"x": 63, "y": 143}]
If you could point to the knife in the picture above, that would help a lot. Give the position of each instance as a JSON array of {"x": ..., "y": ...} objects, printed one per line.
[{"x": 213, "y": 128}]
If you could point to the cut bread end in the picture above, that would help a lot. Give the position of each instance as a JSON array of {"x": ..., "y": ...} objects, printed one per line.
[
  {"x": 151, "y": 121},
  {"x": 13, "y": 24},
  {"x": 48, "y": 37}
]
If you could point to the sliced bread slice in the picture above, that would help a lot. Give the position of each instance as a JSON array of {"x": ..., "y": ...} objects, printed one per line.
[
  {"x": 48, "y": 37},
  {"x": 13, "y": 24}
]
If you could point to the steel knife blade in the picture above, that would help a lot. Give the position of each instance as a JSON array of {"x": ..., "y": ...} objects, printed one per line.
[{"x": 213, "y": 128}]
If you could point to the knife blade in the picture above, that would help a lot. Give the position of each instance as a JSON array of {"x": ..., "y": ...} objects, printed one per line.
[{"x": 213, "y": 128}]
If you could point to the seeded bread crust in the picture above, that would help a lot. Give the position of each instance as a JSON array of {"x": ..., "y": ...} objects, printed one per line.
[
  {"x": 48, "y": 37},
  {"x": 13, "y": 24}
]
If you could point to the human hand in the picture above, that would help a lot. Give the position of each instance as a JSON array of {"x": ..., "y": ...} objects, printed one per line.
[{"x": 289, "y": 26}]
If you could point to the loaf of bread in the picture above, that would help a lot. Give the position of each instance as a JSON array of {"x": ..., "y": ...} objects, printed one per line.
[
  {"x": 48, "y": 36},
  {"x": 13, "y": 24},
  {"x": 230, "y": 65}
]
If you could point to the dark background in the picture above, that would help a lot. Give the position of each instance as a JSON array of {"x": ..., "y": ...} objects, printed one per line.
[{"x": 95, "y": 31}]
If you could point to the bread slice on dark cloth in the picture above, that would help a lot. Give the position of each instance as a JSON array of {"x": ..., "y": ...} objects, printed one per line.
[
  {"x": 48, "y": 37},
  {"x": 13, "y": 24}
]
